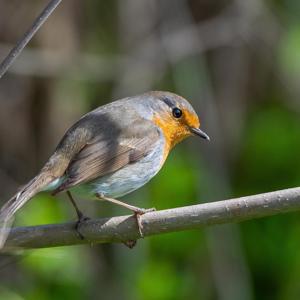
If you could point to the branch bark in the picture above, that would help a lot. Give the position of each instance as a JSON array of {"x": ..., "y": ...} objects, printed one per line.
[{"x": 124, "y": 228}]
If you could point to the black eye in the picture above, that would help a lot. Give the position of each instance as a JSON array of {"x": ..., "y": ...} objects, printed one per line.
[{"x": 177, "y": 113}]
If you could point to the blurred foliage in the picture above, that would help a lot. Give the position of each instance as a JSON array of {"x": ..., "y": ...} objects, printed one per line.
[{"x": 247, "y": 91}]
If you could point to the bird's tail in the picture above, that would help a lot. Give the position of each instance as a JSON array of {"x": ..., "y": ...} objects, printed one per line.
[{"x": 7, "y": 212}]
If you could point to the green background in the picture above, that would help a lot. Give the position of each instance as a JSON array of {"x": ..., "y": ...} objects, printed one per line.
[{"x": 238, "y": 63}]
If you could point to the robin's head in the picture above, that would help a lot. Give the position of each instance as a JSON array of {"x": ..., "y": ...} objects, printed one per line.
[{"x": 176, "y": 117}]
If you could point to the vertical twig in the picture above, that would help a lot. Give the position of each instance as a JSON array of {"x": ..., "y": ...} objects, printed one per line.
[{"x": 40, "y": 20}]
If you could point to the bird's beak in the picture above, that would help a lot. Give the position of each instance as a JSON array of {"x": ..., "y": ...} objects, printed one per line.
[{"x": 199, "y": 132}]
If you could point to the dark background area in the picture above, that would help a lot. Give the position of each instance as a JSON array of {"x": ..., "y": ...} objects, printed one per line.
[{"x": 238, "y": 63}]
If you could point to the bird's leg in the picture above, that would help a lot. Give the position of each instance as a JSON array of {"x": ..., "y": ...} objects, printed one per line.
[
  {"x": 78, "y": 211},
  {"x": 80, "y": 215},
  {"x": 138, "y": 212},
  {"x": 135, "y": 209}
]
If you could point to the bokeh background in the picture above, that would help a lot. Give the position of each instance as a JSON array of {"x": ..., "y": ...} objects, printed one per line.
[{"x": 238, "y": 62}]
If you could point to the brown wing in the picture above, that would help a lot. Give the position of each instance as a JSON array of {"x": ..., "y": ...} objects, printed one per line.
[{"x": 106, "y": 154}]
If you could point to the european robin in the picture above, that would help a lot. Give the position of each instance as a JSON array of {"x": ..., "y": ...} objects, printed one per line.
[{"x": 112, "y": 151}]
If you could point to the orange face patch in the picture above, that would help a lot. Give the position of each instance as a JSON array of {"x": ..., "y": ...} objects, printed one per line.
[
  {"x": 190, "y": 120},
  {"x": 175, "y": 130}
]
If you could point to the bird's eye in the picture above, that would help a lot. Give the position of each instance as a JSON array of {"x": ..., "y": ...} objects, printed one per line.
[{"x": 177, "y": 112}]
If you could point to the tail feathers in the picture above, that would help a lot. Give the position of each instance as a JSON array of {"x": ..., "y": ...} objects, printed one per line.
[{"x": 7, "y": 212}]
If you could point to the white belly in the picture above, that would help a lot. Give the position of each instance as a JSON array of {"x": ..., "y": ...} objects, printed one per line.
[{"x": 127, "y": 179}]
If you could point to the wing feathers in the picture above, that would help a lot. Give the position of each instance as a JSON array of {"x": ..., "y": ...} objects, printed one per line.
[{"x": 102, "y": 156}]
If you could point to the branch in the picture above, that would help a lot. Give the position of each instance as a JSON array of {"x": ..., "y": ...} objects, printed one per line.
[
  {"x": 124, "y": 228},
  {"x": 40, "y": 20}
]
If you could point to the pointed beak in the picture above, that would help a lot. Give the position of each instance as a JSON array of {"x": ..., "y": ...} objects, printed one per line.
[{"x": 199, "y": 132}]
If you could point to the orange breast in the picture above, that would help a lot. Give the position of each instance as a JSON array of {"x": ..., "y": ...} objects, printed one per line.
[{"x": 174, "y": 132}]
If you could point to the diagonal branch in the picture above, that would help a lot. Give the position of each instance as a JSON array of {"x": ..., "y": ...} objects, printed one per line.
[
  {"x": 40, "y": 20},
  {"x": 124, "y": 228}
]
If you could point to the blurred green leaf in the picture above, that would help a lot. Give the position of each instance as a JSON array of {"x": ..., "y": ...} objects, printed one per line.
[
  {"x": 289, "y": 50},
  {"x": 269, "y": 157},
  {"x": 6, "y": 294},
  {"x": 42, "y": 209},
  {"x": 158, "y": 281}
]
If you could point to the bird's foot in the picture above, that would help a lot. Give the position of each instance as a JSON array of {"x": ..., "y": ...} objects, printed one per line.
[
  {"x": 81, "y": 219},
  {"x": 130, "y": 243},
  {"x": 138, "y": 212},
  {"x": 138, "y": 216}
]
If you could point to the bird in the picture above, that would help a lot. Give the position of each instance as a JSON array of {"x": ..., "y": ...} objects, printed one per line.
[{"x": 110, "y": 152}]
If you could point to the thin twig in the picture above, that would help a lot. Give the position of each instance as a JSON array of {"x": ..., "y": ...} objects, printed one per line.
[
  {"x": 124, "y": 228},
  {"x": 15, "y": 52}
]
